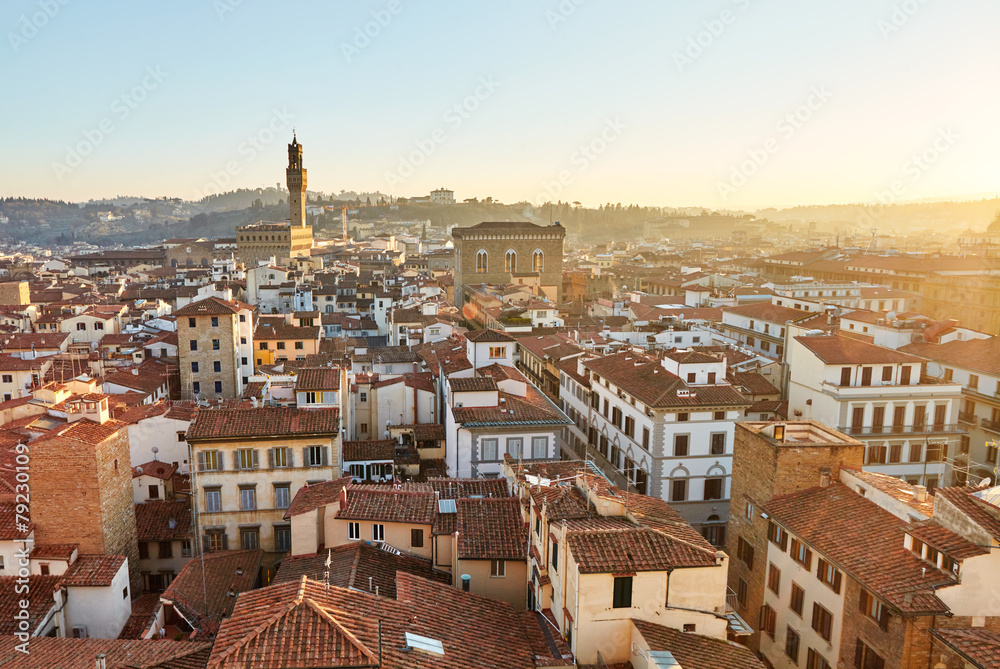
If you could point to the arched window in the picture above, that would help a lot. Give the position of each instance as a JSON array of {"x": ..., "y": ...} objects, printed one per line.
[
  {"x": 510, "y": 262},
  {"x": 537, "y": 261},
  {"x": 482, "y": 262}
]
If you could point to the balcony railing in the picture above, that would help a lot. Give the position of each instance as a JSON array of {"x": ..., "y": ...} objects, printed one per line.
[
  {"x": 967, "y": 417},
  {"x": 991, "y": 425},
  {"x": 868, "y": 431},
  {"x": 730, "y": 600}
]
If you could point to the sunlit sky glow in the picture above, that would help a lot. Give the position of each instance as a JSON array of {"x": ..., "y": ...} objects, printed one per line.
[{"x": 884, "y": 85}]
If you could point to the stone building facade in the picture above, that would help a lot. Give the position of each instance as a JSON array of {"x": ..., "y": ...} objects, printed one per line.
[
  {"x": 771, "y": 459},
  {"x": 215, "y": 347},
  {"x": 494, "y": 252},
  {"x": 81, "y": 490},
  {"x": 15, "y": 293}
]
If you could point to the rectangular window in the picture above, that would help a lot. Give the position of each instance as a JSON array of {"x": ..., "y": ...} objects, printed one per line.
[
  {"x": 768, "y": 618},
  {"x": 745, "y": 552},
  {"x": 490, "y": 450},
  {"x": 279, "y": 457},
  {"x": 246, "y": 458},
  {"x": 316, "y": 456},
  {"x": 886, "y": 374},
  {"x": 845, "y": 376},
  {"x": 792, "y": 645},
  {"x": 866, "y": 376},
  {"x": 417, "y": 538},
  {"x": 741, "y": 592},
  {"x": 555, "y": 555},
  {"x": 498, "y": 352},
  {"x": 192, "y": 323},
  {"x": 280, "y": 346},
  {"x": 773, "y": 578},
  {"x": 194, "y": 367},
  {"x": 629, "y": 426},
  {"x": 218, "y": 386},
  {"x": 354, "y": 531},
  {"x": 681, "y": 445},
  {"x": 866, "y": 658},
  {"x": 217, "y": 541},
  {"x": 249, "y": 539},
  {"x": 154, "y": 491},
  {"x": 213, "y": 500},
  {"x": 299, "y": 346},
  {"x": 248, "y": 499},
  {"x": 683, "y": 417},
  {"x": 193, "y": 344},
  {"x": 801, "y": 554},
  {"x": 166, "y": 549},
  {"x": 143, "y": 550},
  {"x": 797, "y": 600},
  {"x": 378, "y": 532},
  {"x": 713, "y": 488},
  {"x": 217, "y": 366},
  {"x": 816, "y": 661},
  {"x": 282, "y": 495},
  {"x": 904, "y": 375},
  {"x": 215, "y": 321},
  {"x": 539, "y": 448},
  {"x": 645, "y": 438},
  {"x": 216, "y": 345},
  {"x": 875, "y": 610},
  {"x": 778, "y": 536},
  {"x": 678, "y": 490},
  {"x": 514, "y": 447},
  {"x": 623, "y": 592},
  {"x": 498, "y": 569},
  {"x": 718, "y": 443},
  {"x": 829, "y": 574},
  {"x": 822, "y": 621},
  {"x": 282, "y": 538}
]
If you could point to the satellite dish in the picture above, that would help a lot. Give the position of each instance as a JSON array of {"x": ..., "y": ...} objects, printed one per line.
[
  {"x": 986, "y": 482},
  {"x": 890, "y": 316},
  {"x": 138, "y": 471},
  {"x": 155, "y": 449}
]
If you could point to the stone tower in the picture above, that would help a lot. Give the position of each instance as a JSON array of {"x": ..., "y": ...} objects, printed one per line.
[{"x": 296, "y": 179}]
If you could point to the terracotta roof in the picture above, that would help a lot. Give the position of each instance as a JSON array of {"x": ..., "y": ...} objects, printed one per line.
[
  {"x": 864, "y": 540},
  {"x": 23, "y": 341},
  {"x": 836, "y": 350},
  {"x": 41, "y": 589},
  {"x": 633, "y": 550},
  {"x": 9, "y": 523},
  {"x": 654, "y": 386},
  {"x": 373, "y": 449},
  {"x": 280, "y": 331},
  {"x": 447, "y": 488},
  {"x": 417, "y": 380},
  {"x": 695, "y": 650},
  {"x": 982, "y": 355},
  {"x": 512, "y": 410},
  {"x": 473, "y": 384},
  {"x": 318, "y": 378},
  {"x": 156, "y": 469},
  {"x": 475, "y": 632},
  {"x": 351, "y": 566},
  {"x": 491, "y": 528},
  {"x": 86, "y": 431},
  {"x": 54, "y": 551},
  {"x": 754, "y": 383},
  {"x": 981, "y": 513},
  {"x": 978, "y": 646},
  {"x": 262, "y": 423},
  {"x": 214, "y": 575},
  {"x": 143, "y": 616},
  {"x": 211, "y": 306},
  {"x": 489, "y": 336},
  {"x": 311, "y": 497},
  {"x": 931, "y": 532},
  {"x": 896, "y": 488},
  {"x": 390, "y": 506},
  {"x": 93, "y": 570},
  {"x": 163, "y": 520},
  {"x": 767, "y": 311},
  {"x": 561, "y": 502},
  {"x": 66, "y": 653}
]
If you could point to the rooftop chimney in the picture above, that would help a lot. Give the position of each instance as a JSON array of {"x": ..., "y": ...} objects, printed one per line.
[
  {"x": 920, "y": 493},
  {"x": 824, "y": 477}
]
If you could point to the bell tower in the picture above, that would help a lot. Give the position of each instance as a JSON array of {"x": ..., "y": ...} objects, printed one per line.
[{"x": 296, "y": 180}]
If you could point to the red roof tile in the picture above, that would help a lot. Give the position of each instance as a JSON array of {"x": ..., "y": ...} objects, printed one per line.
[
  {"x": 390, "y": 506},
  {"x": 694, "y": 650},
  {"x": 311, "y": 497},
  {"x": 262, "y": 423},
  {"x": 163, "y": 520},
  {"x": 491, "y": 528},
  {"x": 93, "y": 570}
]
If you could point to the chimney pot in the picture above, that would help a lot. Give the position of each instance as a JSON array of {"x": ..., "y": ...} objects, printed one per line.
[{"x": 920, "y": 493}]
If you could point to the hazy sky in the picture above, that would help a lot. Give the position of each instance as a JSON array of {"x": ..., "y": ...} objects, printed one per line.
[{"x": 724, "y": 103}]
